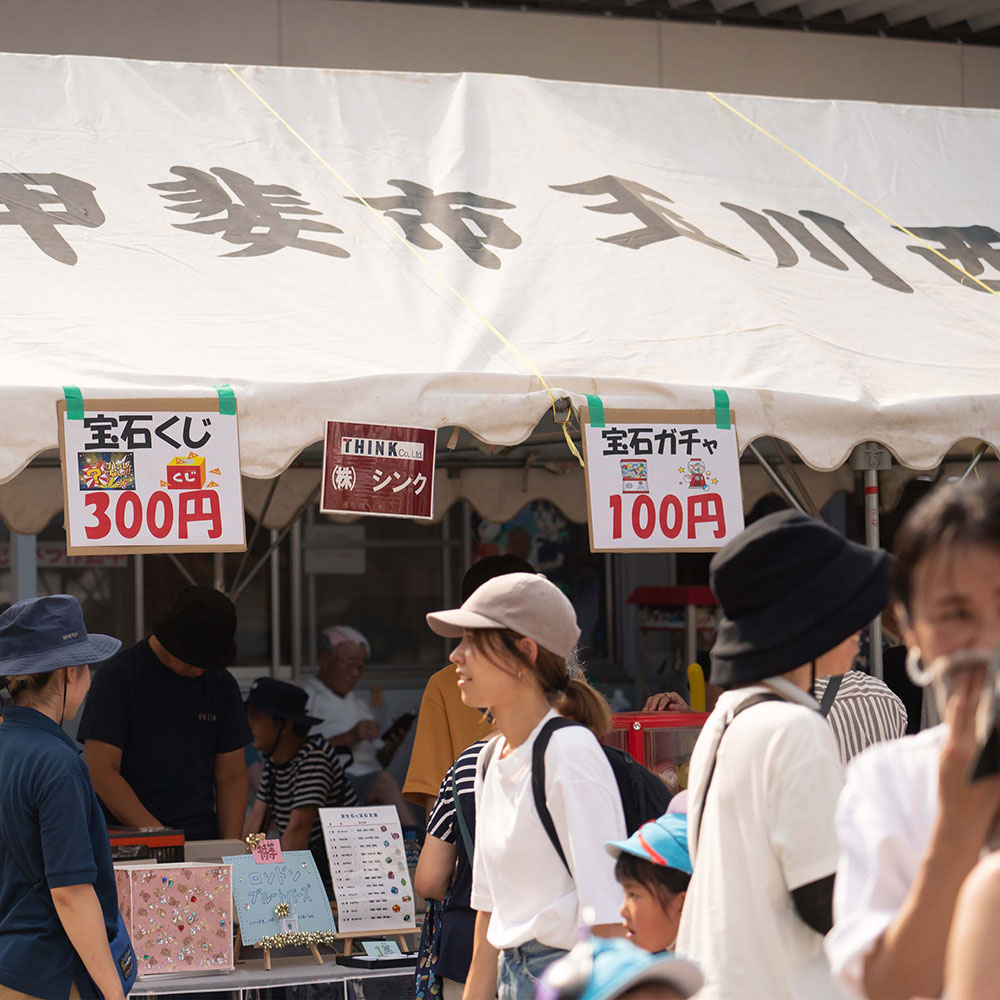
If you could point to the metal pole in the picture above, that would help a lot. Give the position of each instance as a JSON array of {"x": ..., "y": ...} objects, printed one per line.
[
  {"x": 796, "y": 481},
  {"x": 181, "y": 568},
  {"x": 872, "y": 540},
  {"x": 775, "y": 478},
  {"x": 253, "y": 534},
  {"x": 976, "y": 459},
  {"x": 139, "y": 585},
  {"x": 23, "y": 566},
  {"x": 219, "y": 573},
  {"x": 295, "y": 596},
  {"x": 275, "y": 603}
]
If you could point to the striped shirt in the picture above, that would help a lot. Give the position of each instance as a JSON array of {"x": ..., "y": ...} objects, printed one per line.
[
  {"x": 441, "y": 822},
  {"x": 864, "y": 712},
  {"x": 313, "y": 777}
]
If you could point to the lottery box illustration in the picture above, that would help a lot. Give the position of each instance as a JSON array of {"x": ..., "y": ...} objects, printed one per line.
[
  {"x": 186, "y": 473},
  {"x": 179, "y": 917}
]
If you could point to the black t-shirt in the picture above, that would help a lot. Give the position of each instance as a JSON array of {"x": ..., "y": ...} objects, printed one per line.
[{"x": 169, "y": 729}]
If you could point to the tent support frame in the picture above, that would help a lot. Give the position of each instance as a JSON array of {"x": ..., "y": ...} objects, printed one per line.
[
  {"x": 772, "y": 474},
  {"x": 976, "y": 459}
]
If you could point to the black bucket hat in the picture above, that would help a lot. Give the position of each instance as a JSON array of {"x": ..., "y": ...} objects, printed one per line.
[
  {"x": 199, "y": 628},
  {"x": 281, "y": 700},
  {"x": 790, "y": 588}
]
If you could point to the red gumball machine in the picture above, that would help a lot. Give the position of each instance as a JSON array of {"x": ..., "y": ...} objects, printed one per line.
[{"x": 661, "y": 741}]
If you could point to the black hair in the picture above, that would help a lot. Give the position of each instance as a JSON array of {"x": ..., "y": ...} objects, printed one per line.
[
  {"x": 658, "y": 879},
  {"x": 485, "y": 569},
  {"x": 952, "y": 514},
  {"x": 301, "y": 729}
]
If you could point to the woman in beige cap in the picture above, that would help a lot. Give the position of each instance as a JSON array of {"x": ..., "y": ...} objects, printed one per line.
[{"x": 531, "y": 883}]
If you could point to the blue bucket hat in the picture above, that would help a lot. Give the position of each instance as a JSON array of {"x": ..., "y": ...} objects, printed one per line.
[
  {"x": 662, "y": 841},
  {"x": 605, "y": 968},
  {"x": 44, "y": 634}
]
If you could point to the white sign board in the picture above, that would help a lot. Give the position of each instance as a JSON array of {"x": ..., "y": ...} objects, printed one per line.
[
  {"x": 368, "y": 865},
  {"x": 151, "y": 475},
  {"x": 661, "y": 481}
]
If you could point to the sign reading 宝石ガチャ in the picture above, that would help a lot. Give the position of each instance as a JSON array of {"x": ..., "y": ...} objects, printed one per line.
[
  {"x": 151, "y": 475},
  {"x": 660, "y": 481},
  {"x": 377, "y": 469}
]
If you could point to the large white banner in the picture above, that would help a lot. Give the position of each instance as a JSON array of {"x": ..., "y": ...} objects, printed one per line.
[{"x": 166, "y": 230}]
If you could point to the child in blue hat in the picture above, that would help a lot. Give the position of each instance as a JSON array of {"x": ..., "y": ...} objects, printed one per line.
[
  {"x": 653, "y": 868},
  {"x": 613, "y": 969}
]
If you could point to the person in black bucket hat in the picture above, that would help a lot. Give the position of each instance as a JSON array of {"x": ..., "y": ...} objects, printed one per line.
[
  {"x": 765, "y": 773},
  {"x": 60, "y": 931},
  {"x": 164, "y": 726},
  {"x": 301, "y": 773}
]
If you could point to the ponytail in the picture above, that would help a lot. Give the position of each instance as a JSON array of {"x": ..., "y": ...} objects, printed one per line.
[{"x": 582, "y": 703}]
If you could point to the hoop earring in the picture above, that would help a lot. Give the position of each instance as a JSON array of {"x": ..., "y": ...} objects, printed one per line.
[{"x": 915, "y": 668}]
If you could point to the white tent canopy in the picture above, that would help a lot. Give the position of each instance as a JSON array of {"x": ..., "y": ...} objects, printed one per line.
[{"x": 644, "y": 245}]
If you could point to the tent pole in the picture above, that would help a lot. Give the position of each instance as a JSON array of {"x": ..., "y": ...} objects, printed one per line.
[
  {"x": 234, "y": 596},
  {"x": 803, "y": 493},
  {"x": 182, "y": 569},
  {"x": 139, "y": 586},
  {"x": 775, "y": 478},
  {"x": 275, "y": 602},
  {"x": 976, "y": 459},
  {"x": 295, "y": 597},
  {"x": 253, "y": 535},
  {"x": 870, "y": 458}
]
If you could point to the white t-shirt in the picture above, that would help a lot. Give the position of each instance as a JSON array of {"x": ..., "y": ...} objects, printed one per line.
[
  {"x": 340, "y": 715},
  {"x": 517, "y": 875},
  {"x": 767, "y": 829},
  {"x": 885, "y": 820}
]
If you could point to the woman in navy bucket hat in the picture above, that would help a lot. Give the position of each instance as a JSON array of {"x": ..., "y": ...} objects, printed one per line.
[{"x": 61, "y": 934}]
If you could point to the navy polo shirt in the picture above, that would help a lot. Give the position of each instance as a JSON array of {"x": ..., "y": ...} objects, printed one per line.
[{"x": 52, "y": 834}]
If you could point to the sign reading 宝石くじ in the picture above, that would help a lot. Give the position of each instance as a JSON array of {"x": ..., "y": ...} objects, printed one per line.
[
  {"x": 377, "y": 469},
  {"x": 662, "y": 481},
  {"x": 151, "y": 475}
]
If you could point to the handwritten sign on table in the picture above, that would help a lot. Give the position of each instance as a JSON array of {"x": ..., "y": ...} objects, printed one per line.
[
  {"x": 258, "y": 889},
  {"x": 368, "y": 864}
]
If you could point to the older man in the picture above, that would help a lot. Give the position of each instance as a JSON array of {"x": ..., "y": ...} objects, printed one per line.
[{"x": 348, "y": 719}]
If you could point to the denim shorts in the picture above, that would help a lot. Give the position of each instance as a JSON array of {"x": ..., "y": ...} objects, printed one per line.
[{"x": 520, "y": 968}]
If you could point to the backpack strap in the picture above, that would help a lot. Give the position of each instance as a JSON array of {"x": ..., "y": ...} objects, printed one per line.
[
  {"x": 694, "y": 815},
  {"x": 463, "y": 827},
  {"x": 538, "y": 783},
  {"x": 832, "y": 687}
]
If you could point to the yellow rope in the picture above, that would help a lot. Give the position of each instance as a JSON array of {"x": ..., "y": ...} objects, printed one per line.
[
  {"x": 420, "y": 256},
  {"x": 853, "y": 194}
]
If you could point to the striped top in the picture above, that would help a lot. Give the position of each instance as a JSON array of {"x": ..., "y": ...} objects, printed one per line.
[
  {"x": 864, "y": 712},
  {"x": 313, "y": 777},
  {"x": 441, "y": 822}
]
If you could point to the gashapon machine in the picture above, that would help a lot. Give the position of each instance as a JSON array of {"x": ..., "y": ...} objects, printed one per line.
[{"x": 685, "y": 617}]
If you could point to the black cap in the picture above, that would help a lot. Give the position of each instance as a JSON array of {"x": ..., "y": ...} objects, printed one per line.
[
  {"x": 199, "y": 628},
  {"x": 281, "y": 700},
  {"x": 790, "y": 588}
]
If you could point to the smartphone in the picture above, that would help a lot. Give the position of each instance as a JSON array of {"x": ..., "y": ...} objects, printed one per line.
[{"x": 401, "y": 725}]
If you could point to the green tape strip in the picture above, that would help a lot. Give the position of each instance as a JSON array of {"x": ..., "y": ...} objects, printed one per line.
[
  {"x": 227, "y": 400},
  {"x": 74, "y": 402},
  {"x": 722, "y": 420},
  {"x": 596, "y": 407}
]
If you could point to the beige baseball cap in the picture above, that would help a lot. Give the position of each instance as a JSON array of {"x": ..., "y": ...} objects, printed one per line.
[{"x": 525, "y": 603}]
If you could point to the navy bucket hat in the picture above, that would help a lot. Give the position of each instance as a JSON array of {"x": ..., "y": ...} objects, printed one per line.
[{"x": 44, "y": 634}]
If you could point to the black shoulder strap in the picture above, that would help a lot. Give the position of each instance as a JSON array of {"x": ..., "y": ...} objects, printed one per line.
[
  {"x": 832, "y": 687},
  {"x": 463, "y": 827},
  {"x": 538, "y": 783},
  {"x": 695, "y": 815}
]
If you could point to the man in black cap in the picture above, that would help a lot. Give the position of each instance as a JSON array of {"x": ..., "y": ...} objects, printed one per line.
[
  {"x": 301, "y": 773},
  {"x": 766, "y": 772},
  {"x": 164, "y": 725}
]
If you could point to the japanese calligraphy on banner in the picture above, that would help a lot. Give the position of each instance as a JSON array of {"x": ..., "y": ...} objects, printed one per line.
[
  {"x": 371, "y": 879},
  {"x": 151, "y": 475},
  {"x": 377, "y": 469},
  {"x": 661, "y": 481}
]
